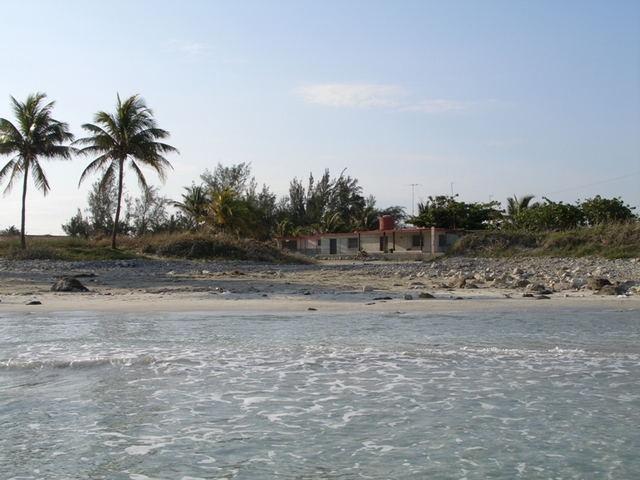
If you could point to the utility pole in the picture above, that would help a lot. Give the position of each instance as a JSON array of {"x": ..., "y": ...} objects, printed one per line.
[
  {"x": 452, "y": 189},
  {"x": 413, "y": 187}
]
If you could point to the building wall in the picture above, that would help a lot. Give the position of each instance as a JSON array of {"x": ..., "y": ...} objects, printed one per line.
[
  {"x": 344, "y": 245},
  {"x": 404, "y": 242},
  {"x": 350, "y": 244}
]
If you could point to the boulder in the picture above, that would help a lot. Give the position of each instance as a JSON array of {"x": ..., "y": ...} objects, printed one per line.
[
  {"x": 578, "y": 282},
  {"x": 597, "y": 283},
  {"x": 611, "y": 290},
  {"x": 425, "y": 295},
  {"x": 68, "y": 284},
  {"x": 457, "y": 283},
  {"x": 536, "y": 288}
]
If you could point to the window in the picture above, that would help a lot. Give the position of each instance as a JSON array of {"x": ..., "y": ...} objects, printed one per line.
[
  {"x": 352, "y": 242},
  {"x": 290, "y": 244},
  {"x": 416, "y": 240},
  {"x": 442, "y": 240},
  {"x": 319, "y": 242}
]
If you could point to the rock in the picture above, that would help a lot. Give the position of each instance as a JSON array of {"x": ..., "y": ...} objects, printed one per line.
[
  {"x": 527, "y": 295},
  {"x": 518, "y": 271},
  {"x": 457, "y": 283},
  {"x": 471, "y": 285},
  {"x": 425, "y": 295},
  {"x": 536, "y": 288},
  {"x": 521, "y": 283},
  {"x": 578, "y": 282},
  {"x": 34, "y": 302},
  {"x": 68, "y": 284},
  {"x": 125, "y": 263},
  {"x": 542, "y": 297},
  {"x": 611, "y": 290},
  {"x": 367, "y": 289},
  {"x": 407, "y": 296},
  {"x": 597, "y": 283}
]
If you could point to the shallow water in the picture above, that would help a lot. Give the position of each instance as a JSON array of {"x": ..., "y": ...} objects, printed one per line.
[{"x": 503, "y": 394}]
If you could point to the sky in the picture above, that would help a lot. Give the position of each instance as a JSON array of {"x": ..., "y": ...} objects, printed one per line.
[{"x": 484, "y": 99}]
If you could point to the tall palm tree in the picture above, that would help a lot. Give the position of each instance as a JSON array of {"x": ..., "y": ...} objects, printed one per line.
[
  {"x": 36, "y": 135},
  {"x": 128, "y": 136}
]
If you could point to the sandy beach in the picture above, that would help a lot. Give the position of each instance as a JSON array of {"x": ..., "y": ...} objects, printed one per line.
[{"x": 455, "y": 284}]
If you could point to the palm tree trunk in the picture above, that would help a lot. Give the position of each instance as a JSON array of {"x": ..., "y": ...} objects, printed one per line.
[
  {"x": 23, "y": 239},
  {"x": 117, "y": 219}
]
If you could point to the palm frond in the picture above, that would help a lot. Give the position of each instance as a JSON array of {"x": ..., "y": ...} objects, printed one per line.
[
  {"x": 142, "y": 182},
  {"x": 39, "y": 178},
  {"x": 101, "y": 163},
  {"x": 12, "y": 169}
]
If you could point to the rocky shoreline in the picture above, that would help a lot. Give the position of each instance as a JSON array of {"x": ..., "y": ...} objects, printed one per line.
[{"x": 461, "y": 273}]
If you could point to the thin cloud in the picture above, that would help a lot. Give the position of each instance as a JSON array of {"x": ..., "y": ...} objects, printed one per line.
[
  {"x": 441, "y": 106},
  {"x": 353, "y": 95},
  {"x": 191, "y": 50},
  {"x": 384, "y": 96}
]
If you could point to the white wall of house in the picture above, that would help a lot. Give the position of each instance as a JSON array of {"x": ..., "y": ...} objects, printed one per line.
[
  {"x": 398, "y": 241},
  {"x": 404, "y": 241},
  {"x": 340, "y": 244}
]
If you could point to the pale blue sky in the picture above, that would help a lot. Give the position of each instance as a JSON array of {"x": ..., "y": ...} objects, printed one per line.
[{"x": 497, "y": 97}]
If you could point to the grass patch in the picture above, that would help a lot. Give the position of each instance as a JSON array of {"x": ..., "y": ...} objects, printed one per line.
[
  {"x": 177, "y": 246},
  {"x": 620, "y": 240}
]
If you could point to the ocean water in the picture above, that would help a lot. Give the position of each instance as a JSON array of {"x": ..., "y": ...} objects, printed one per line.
[{"x": 501, "y": 394}]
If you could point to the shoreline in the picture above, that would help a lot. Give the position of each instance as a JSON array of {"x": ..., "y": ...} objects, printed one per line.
[
  {"x": 457, "y": 284},
  {"x": 328, "y": 302}
]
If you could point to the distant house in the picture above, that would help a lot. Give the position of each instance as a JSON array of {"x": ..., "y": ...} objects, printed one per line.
[{"x": 387, "y": 241}]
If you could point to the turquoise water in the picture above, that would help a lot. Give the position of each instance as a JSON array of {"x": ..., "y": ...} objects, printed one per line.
[{"x": 502, "y": 394}]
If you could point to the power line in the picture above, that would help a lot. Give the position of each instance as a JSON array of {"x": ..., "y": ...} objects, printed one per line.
[{"x": 592, "y": 184}]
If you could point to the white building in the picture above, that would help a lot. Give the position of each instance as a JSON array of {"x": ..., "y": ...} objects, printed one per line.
[{"x": 386, "y": 242}]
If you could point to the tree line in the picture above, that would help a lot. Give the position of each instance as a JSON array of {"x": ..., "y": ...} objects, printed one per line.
[
  {"x": 129, "y": 137},
  {"x": 521, "y": 214},
  {"x": 228, "y": 200}
]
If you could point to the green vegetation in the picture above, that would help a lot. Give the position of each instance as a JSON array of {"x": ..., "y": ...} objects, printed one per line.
[
  {"x": 226, "y": 216},
  {"x": 36, "y": 135},
  {"x": 446, "y": 212},
  {"x": 130, "y": 135},
  {"x": 179, "y": 246},
  {"x": 60, "y": 248},
  {"x": 613, "y": 240}
]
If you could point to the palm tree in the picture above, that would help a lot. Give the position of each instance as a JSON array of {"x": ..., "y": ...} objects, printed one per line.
[
  {"x": 194, "y": 205},
  {"x": 36, "y": 135},
  {"x": 517, "y": 205},
  {"x": 329, "y": 223},
  {"x": 227, "y": 213},
  {"x": 128, "y": 135}
]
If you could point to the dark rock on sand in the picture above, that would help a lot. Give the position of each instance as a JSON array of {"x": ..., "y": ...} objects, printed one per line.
[
  {"x": 68, "y": 284},
  {"x": 611, "y": 290},
  {"x": 425, "y": 295},
  {"x": 597, "y": 283}
]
